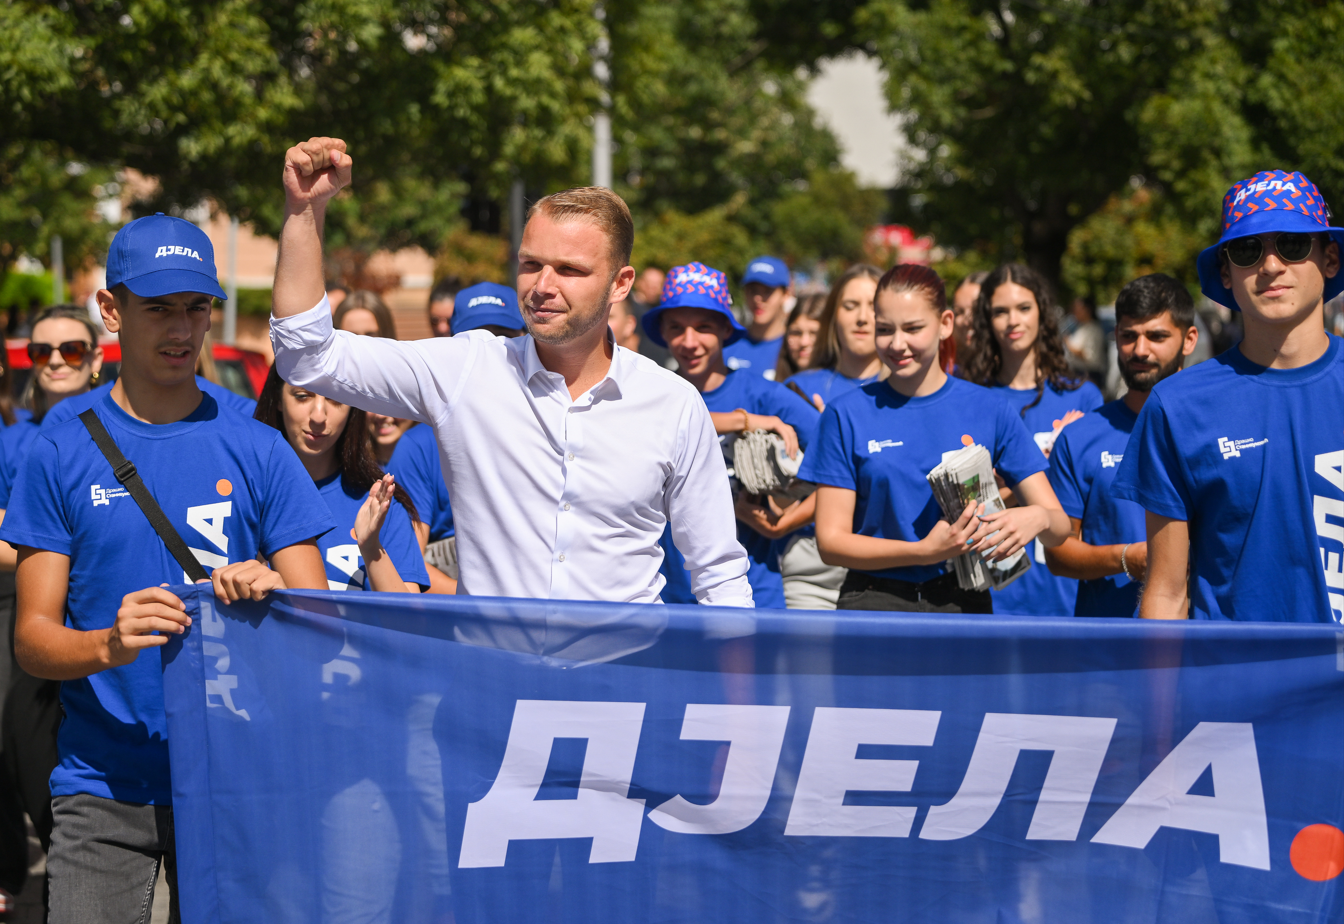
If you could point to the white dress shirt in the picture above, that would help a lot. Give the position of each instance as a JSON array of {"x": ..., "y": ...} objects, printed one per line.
[{"x": 554, "y": 498}]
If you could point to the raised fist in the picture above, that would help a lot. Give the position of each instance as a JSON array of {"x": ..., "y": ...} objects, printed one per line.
[{"x": 316, "y": 170}]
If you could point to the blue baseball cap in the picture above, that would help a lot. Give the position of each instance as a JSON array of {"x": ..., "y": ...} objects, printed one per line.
[
  {"x": 768, "y": 271},
  {"x": 1272, "y": 200},
  {"x": 486, "y": 303},
  {"x": 693, "y": 286},
  {"x": 162, "y": 255}
]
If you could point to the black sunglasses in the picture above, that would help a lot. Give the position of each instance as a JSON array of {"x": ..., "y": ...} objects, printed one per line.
[
  {"x": 72, "y": 351},
  {"x": 1293, "y": 246}
]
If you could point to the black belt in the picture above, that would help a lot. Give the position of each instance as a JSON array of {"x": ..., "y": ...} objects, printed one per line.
[{"x": 859, "y": 581}]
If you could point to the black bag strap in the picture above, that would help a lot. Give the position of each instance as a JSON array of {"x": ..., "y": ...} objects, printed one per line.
[{"x": 130, "y": 479}]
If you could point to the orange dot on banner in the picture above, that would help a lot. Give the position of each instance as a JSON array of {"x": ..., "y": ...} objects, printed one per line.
[
  {"x": 224, "y": 487},
  {"x": 1318, "y": 852},
  {"x": 966, "y": 439}
]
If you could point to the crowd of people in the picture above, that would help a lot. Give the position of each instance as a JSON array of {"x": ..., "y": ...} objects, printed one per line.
[{"x": 575, "y": 438}]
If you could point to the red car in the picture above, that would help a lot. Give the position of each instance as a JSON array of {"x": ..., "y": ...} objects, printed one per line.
[{"x": 241, "y": 371}]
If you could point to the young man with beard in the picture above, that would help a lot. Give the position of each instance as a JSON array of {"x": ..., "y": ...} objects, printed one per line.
[
  {"x": 565, "y": 457},
  {"x": 1239, "y": 461},
  {"x": 1154, "y": 333}
]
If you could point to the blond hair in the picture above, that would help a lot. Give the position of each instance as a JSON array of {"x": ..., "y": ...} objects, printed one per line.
[{"x": 599, "y": 205}]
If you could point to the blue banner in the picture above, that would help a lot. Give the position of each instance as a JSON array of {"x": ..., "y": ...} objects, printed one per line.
[{"x": 347, "y": 757}]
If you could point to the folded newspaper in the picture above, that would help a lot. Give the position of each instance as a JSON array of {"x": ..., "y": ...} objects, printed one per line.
[
  {"x": 965, "y": 476},
  {"x": 761, "y": 466}
]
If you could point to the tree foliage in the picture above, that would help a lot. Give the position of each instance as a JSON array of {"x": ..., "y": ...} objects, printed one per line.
[
  {"x": 1029, "y": 116},
  {"x": 441, "y": 101}
]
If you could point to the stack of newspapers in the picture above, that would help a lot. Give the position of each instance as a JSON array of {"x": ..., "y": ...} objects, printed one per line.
[
  {"x": 966, "y": 476},
  {"x": 761, "y": 466}
]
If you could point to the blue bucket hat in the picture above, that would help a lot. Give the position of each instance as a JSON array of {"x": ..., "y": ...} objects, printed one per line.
[
  {"x": 486, "y": 303},
  {"x": 693, "y": 286},
  {"x": 768, "y": 271},
  {"x": 1272, "y": 200},
  {"x": 162, "y": 255}
]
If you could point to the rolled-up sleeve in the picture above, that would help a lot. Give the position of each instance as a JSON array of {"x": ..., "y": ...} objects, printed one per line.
[
  {"x": 415, "y": 380},
  {"x": 700, "y": 513}
]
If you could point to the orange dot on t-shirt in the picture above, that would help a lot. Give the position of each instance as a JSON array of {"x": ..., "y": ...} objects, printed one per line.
[
  {"x": 352, "y": 533},
  {"x": 224, "y": 487},
  {"x": 1318, "y": 852},
  {"x": 966, "y": 439}
]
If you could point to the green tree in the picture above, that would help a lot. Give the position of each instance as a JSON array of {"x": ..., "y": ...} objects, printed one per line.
[
  {"x": 45, "y": 193},
  {"x": 1029, "y": 116}
]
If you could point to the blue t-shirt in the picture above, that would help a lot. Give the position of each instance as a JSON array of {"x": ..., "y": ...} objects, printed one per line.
[
  {"x": 1038, "y": 592},
  {"x": 1086, "y": 457},
  {"x": 75, "y": 405},
  {"x": 757, "y": 357},
  {"x": 415, "y": 465},
  {"x": 232, "y": 487},
  {"x": 14, "y": 442},
  {"x": 340, "y": 552},
  {"x": 1253, "y": 460},
  {"x": 882, "y": 445},
  {"x": 756, "y": 395},
  {"x": 828, "y": 383}
]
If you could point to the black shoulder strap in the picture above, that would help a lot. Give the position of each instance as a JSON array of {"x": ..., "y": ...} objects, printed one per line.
[{"x": 125, "y": 471}]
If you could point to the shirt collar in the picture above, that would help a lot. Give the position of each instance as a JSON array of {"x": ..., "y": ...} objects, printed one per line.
[{"x": 609, "y": 387}]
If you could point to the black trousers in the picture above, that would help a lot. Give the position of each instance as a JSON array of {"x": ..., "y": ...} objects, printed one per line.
[
  {"x": 862, "y": 591},
  {"x": 28, "y": 723}
]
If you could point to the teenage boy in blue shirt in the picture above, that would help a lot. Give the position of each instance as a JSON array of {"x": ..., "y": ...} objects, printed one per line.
[
  {"x": 232, "y": 489},
  {"x": 695, "y": 321},
  {"x": 1154, "y": 333},
  {"x": 766, "y": 287},
  {"x": 1239, "y": 461}
]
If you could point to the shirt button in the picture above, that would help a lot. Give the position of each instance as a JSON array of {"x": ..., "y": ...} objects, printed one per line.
[
  {"x": 566, "y": 506},
  {"x": 571, "y": 457},
  {"x": 562, "y": 556}
]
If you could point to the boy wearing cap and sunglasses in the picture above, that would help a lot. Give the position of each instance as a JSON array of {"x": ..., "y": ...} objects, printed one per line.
[
  {"x": 91, "y": 567},
  {"x": 1239, "y": 461}
]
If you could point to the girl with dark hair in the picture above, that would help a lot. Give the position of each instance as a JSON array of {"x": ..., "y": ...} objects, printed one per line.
[
  {"x": 802, "y": 336},
  {"x": 332, "y": 441},
  {"x": 66, "y": 361},
  {"x": 1016, "y": 349},
  {"x": 876, "y": 513},
  {"x": 845, "y": 357}
]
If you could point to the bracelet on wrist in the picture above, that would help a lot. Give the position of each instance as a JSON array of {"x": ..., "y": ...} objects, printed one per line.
[{"x": 1124, "y": 566}]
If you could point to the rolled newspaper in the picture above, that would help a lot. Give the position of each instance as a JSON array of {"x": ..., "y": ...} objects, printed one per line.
[{"x": 965, "y": 476}]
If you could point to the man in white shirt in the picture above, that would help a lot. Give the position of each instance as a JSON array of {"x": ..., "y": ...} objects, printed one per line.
[{"x": 564, "y": 454}]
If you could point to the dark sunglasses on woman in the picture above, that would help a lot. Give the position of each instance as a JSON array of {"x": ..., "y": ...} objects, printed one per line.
[
  {"x": 1292, "y": 246},
  {"x": 72, "y": 351}
]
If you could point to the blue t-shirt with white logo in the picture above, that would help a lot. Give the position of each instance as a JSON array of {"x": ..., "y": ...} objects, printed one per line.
[
  {"x": 758, "y": 396},
  {"x": 1253, "y": 460},
  {"x": 882, "y": 445},
  {"x": 415, "y": 465},
  {"x": 340, "y": 551},
  {"x": 756, "y": 357},
  {"x": 231, "y": 486},
  {"x": 828, "y": 383},
  {"x": 1038, "y": 592},
  {"x": 75, "y": 405},
  {"x": 14, "y": 442},
  {"x": 1083, "y": 465}
]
